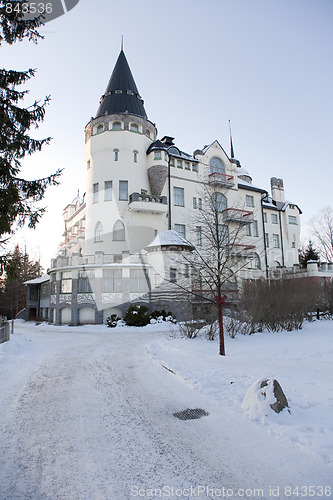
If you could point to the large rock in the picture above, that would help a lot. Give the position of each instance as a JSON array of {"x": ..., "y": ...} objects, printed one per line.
[{"x": 274, "y": 386}]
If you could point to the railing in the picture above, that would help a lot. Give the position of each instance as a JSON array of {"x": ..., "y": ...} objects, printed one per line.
[
  {"x": 238, "y": 215},
  {"x": 97, "y": 259},
  {"x": 221, "y": 179},
  {"x": 4, "y": 330},
  {"x": 240, "y": 250},
  {"x": 147, "y": 198}
]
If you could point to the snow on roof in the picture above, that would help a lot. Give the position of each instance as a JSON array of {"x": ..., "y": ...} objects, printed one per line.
[
  {"x": 170, "y": 237},
  {"x": 39, "y": 280}
]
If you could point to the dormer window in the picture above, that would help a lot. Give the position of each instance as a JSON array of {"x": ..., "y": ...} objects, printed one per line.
[
  {"x": 118, "y": 91},
  {"x": 116, "y": 126},
  {"x": 100, "y": 128},
  {"x": 148, "y": 133}
]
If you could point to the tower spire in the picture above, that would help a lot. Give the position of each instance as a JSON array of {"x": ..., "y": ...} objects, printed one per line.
[
  {"x": 231, "y": 145},
  {"x": 122, "y": 42}
]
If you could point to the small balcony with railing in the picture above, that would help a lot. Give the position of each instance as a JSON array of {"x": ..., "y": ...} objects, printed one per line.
[
  {"x": 238, "y": 250},
  {"x": 237, "y": 215},
  {"x": 148, "y": 203},
  {"x": 221, "y": 179}
]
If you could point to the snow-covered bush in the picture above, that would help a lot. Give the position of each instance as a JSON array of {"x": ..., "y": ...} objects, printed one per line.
[
  {"x": 112, "y": 321},
  {"x": 137, "y": 316}
]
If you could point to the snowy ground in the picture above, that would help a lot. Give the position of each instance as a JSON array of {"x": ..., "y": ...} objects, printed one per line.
[{"x": 87, "y": 413}]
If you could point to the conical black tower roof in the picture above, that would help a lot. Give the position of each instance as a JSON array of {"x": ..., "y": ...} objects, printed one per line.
[{"x": 121, "y": 94}]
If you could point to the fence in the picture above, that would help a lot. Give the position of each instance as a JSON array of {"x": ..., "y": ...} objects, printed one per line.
[{"x": 4, "y": 330}]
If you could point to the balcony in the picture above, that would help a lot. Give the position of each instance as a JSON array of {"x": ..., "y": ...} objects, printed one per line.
[
  {"x": 148, "y": 203},
  {"x": 240, "y": 250},
  {"x": 220, "y": 179},
  {"x": 237, "y": 215}
]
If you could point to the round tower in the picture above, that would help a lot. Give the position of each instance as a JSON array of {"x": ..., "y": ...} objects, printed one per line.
[{"x": 117, "y": 140}]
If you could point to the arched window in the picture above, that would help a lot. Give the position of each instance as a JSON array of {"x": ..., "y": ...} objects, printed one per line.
[
  {"x": 134, "y": 127},
  {"x": 216, "y": 166},
  {"x": 98, "y": 232},
  {"x": 255, "y": 261},
  {"x": 219, "y": 202},
  {"x": 116, "y": 126},
  {"x": 100, "y": 128},
  {"x": 276, "y": 263},
  {"x": 135, "y": 156},
  {"x": 118, "y": 233}
]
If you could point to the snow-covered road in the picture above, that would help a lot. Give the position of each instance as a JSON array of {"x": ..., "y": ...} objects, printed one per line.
[{"x": 89, "y": 415}]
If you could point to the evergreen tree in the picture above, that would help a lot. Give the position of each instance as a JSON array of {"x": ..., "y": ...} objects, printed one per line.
[
  {"x": 18, "y": 196},
  {"x": 306, "y": 254},
  {"x": 18, "y": 269}
]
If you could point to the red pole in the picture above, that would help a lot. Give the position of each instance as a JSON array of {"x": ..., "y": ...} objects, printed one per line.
[{"x": 221, "y": 301}]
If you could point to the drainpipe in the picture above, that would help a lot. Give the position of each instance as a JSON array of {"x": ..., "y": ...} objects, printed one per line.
[
  {"x": 263, "y": 226},
  {"x": 169, "y": 196},
  {"x": 282, "y": 250}
]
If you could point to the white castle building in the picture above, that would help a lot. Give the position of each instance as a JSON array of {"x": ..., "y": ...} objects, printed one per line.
[{"x": 142, "y": 196}]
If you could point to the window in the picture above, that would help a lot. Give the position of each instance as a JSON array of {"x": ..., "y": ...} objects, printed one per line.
[
  {"x": 276, "y": 241},
  {"x": 172, "y": 162},
  {"x": 194, "y": 167},
  {"x": 266, "y": 240},
  {"x": 255, "y": 228},
  {"x": 66, "y": 282},
  {"x": 148, "y": 133},
  {"x": 274, "y": 218},
  {"x": 100, "y": 129},
  {"x": 112, "y": 280},
  {"x": 116, "y": 154},
  {"x": 216, "y": 166},
  {"x": 98, "y": 232},
  {"x": 118, "y": 233},
  {"x": 249, "y": 200},
  {"x": 248, "y": 230},
  {"x": 173, "y": 275},
  {"x": 187, "y": 271},
  {"x": 95, "y": 193},
  {"x": 223, "y": 235},
  {"x": 293, "y": 244},
  {"x": 134, "y": 127},
  {"x": 198, "y": 234},
  {"x": 135, "y": 156},
  {"x": 123, "y": 190},
  {"x": 85, "y": 281},
  {"x": 157, "y": 155},
  {"x": 53, "y": 283},
  {"x": 194, "y": 203},
  {"x": 88, "y": 164},
  {"x": 254, "y": 262},
  {"x": 116, "y": 126},
  {"x": 180, "y": 228},
  {"x": 178, "y": 197},
  {"x": 179, "y": 164},
  {"x": 292, "y": 219},
  {"x": 265, "y": 216},
  {"x": 199, "y": 203},
  {"x": 219, "y": 202},
  {"x": 138, "y": 281},
  {"x": 187, "y": 165},
  {"x": 107, "y": 190}
]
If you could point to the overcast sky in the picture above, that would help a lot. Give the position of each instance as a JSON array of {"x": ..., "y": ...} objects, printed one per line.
[{"x": 264, "y": 64}]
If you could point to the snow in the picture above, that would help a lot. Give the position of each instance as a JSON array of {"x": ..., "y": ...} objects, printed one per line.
[
  {"x": 37, "y": 281},
  {"x": 87, "y": 413},
  {"x": 170, "y": 237}
]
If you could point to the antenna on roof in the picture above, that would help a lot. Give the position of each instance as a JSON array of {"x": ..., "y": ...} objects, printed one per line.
[
  {"x": 231, "y": 145},
  {"x": 122, "y": 42}
]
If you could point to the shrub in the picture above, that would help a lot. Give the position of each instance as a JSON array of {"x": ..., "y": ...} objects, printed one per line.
[
  {"x": 137, "y": 316},
  {"x": 112, "y": 320}
]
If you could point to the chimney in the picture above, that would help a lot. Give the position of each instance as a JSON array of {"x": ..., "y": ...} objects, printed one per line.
[
  {"x": 277, "y": 189},
  {"x": 168, "y": 141}
]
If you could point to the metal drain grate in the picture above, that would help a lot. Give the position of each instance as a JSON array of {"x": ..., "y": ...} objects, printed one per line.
[{"x": 191, "y": 414}]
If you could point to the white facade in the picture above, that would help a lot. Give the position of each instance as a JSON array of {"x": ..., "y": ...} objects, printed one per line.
[{"x": 135, "y": 185}]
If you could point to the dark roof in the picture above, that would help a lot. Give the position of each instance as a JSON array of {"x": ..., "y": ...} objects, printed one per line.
[
  {"x": 172, "y": 150},
  {"x": 121, "y": 94}
]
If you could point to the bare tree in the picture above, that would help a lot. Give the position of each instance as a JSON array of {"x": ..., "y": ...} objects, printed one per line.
[
  {"x": 322, "y": 229},
  {"x": 218, "y": 256}
]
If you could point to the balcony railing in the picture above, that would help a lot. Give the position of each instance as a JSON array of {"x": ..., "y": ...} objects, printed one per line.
[
  {"x": 238, "y": 215},
  {"x": 147, "y": 203},
  {"x": 240, "y": 250},
  {"x": 220, "y": 179}
]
